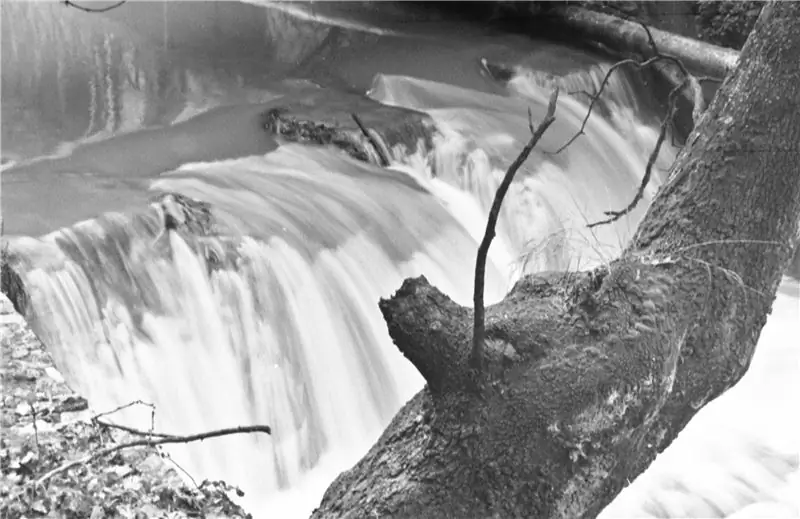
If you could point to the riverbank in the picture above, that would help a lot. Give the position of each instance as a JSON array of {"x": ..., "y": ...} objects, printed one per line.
[{"x": 46, "y": 425}]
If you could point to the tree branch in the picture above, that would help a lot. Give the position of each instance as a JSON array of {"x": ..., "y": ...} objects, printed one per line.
[
  {"x": 69, "y": 3},
  {"x": 695, "y": 95},
  {"x": 648, "y": 170},
  {"x": 132, "y": 430},
  {"x": 476, "y": 358},
  {"x": 163, "y": 440},
  {"x": 373, "y": 141},
  {"x": 697, "y": 92}
]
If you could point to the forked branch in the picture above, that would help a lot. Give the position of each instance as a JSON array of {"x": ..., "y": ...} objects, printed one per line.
[
  {"x": 696, "y": 92},
  {"x": 695, "y": 95},
  {"x": 613, "y": 216},
  {"x": 479, "y": 327}
]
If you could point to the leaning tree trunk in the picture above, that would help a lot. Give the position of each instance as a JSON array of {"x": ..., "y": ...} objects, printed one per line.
[{"x": 589, "y": 375}]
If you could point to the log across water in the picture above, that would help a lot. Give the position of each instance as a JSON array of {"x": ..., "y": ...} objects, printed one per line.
[{"x": 625, "y": 36}]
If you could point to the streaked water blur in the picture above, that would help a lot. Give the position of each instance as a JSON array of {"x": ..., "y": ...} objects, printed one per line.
[{"x": 273, "y": 318}]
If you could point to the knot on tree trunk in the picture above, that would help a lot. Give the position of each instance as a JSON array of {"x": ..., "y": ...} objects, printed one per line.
[{"x": 432, "y": 331}]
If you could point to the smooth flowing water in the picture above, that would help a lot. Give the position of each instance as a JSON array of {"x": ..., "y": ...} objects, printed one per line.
[{"x": 102, "y": 112}]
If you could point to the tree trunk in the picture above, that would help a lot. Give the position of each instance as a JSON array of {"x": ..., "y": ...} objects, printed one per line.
[
  {"x": 590, "y": 375},
  {"x": 620, "y": 35}
]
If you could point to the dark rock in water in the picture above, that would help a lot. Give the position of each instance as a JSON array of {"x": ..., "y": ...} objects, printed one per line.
[
  {"x": 72, "y": 404},
  {"x": 188, "y": 214},
  {"x": 325, "y": 117},
  {"x": 292, "y": 129},
  {"x": 11, "y": 285},
  {"x": 498, "y": 71}
]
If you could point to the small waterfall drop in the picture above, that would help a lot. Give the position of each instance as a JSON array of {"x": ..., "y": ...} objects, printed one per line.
[
  {"x": 281, "y": 328},
  {"x": 555, "y": 195},
  {"x": 269, "y": 315},
  {"x": 272, "y": 318}
]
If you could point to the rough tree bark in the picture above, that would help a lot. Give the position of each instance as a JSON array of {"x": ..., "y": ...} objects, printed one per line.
[{"x": 590, "y": 375}]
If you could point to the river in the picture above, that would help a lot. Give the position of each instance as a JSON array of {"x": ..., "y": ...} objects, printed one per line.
[{"x": 103, "y": 112}]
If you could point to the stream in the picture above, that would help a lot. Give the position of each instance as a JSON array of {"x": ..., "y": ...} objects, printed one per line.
[{"x": 103, "y": 113}]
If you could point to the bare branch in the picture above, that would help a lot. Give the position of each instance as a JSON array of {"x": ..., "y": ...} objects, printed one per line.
[
  {"x": 596, "y": 97},
  {"x": 152, "y": 443},
  {"x": 120, "y": 408},
  {"x": 69, "y": 3},
  {"x": 616, "y": 215},
  {"x": 476, "y": 358},
  {"x": 132, "y": 430},
  {"x": 35, "y": 427},
  {"x": 373, "y": 141},
  {"x": 166, "y": 455},
  {"x": 694, "y": 84}
]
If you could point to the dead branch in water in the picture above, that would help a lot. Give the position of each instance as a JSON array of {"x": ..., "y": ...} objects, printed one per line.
[
  {"x": 69, "y": 3},
  {"x": 479, "y": 326},
  {"x": 373, "y": 141}
]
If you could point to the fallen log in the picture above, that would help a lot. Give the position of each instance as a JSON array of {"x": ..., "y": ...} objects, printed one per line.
[
  {"x": 623, "y": 36},
  {"x": 588, "y": 376}
]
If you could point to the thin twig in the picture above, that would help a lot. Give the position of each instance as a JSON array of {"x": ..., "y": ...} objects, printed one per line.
[
  {"x": 648, "y": 171},
  {"x": 132, "y": 430},
  {"x": 374, "y": 142},
  {"x": 152, "y": 443},
  {"x": 476, "y": 359},
  {"x": 122, "y": 407},
  {"x": 166, "y": 455},
  {"x": 69, "y": 3},
  {"x": 35, "y": 427},
  {"x": 639, "y": 65}
]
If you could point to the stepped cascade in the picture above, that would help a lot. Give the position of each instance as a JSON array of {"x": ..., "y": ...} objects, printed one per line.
[{"x": 268, "y": 314}]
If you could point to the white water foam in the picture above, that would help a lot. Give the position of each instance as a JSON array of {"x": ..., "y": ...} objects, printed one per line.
[{"x": 290, "y": 335}]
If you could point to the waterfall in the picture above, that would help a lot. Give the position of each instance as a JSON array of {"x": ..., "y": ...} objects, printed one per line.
[
  {"x": 280, "y": 324},
  {"x": 268, "y": 314},
  {"x": 283, "y": 329}
]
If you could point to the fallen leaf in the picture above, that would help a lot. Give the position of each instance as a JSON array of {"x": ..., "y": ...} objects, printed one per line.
[
  {"x": 29, "y": 457},
  {"x": 119, "y": 470},
  {"x": 147, "y": 511},
  {"x": 97, "y": 513},
  {"x": 132, "y": 483},
  {"x": 39, "y": 507},
  {"x": 54, "y": 374}
]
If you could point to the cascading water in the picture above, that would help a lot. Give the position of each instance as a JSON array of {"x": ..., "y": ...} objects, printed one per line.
[{"x": 271, "y": 318}]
